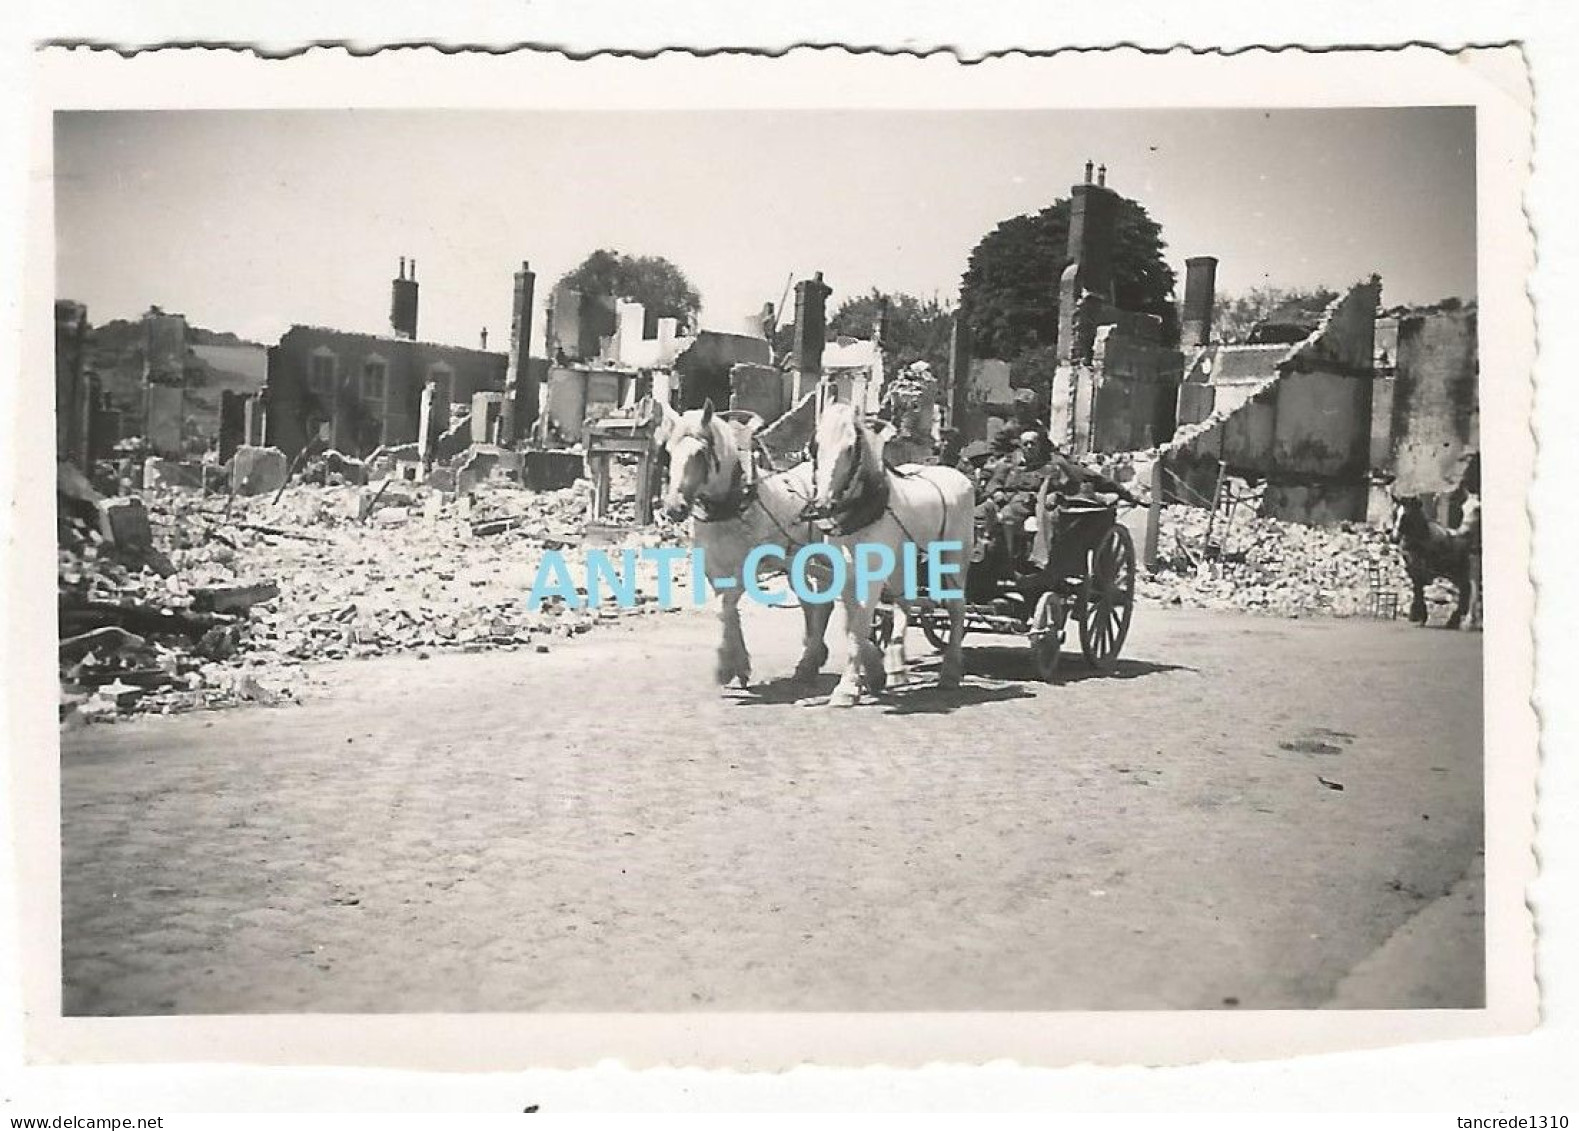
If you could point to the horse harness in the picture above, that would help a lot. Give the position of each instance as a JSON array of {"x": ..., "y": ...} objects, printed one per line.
[
  {"x": 740, "y": 498},
  {"x": 852, "y": 509}
]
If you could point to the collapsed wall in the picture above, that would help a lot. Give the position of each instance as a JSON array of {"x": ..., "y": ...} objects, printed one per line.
[{"x": 1296, "y": 417}]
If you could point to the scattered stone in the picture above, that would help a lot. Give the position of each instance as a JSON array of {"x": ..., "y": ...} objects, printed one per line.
[
  {"x": 1269, "y": 566},
  {"x": 257, "y": 471},
  {"x": 232, "y": 598}
]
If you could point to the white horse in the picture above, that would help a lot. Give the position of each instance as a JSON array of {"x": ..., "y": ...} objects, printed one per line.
[
  {"x": 860, "y": 501},
  {"x": 733, "y": 509}
]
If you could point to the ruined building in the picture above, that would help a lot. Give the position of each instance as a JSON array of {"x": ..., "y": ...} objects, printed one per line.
[
  {"x": 358, "y": 392},
  {"x": 1116, "y": 383},
  {"x": 605, "y": 352},
  {"x": 1323, "y": 415},
  {"x": 1296, "y": 416}
]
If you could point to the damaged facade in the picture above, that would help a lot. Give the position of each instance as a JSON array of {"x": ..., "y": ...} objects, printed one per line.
[
  {"x": 1320, "y": 415},
  {"x": 1116, "y": 383},
  {"x": 358, "y": 392},
  {"x": 1296, "y": 417}
]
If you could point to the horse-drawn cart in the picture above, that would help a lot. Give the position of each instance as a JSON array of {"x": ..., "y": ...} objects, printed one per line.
[{"x": 1088, "y": 578}]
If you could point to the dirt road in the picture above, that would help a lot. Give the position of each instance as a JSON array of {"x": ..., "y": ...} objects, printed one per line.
[{"x": 600, "y": 829}]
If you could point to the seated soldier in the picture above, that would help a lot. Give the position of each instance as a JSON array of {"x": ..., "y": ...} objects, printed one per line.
[
  {"x": 1014, "y": 488},
  {"x": 992, "y": 460},
  {"x": 1067, "y": 479}
]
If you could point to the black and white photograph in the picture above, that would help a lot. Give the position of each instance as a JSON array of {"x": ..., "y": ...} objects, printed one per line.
[{"x": 778, "y": 560}]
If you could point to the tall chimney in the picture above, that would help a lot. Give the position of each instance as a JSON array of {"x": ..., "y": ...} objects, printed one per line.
[
  {"x": 403, "y": 302},
  {"x": 519, "y": 412},
  {"x": 1200, "y": 296},
  {"x": 1093, "y": 217},
  {"x": 811, "y": 324}
]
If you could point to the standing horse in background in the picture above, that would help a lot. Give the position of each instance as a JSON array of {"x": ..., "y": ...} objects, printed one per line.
[
  {"x": 1431, "y": 551},
  {"x": 860, "y": 501},
  {"x": 714, "y": 481}
]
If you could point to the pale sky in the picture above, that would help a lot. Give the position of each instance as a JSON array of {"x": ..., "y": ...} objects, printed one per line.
[{"x": 251, "y": 221}]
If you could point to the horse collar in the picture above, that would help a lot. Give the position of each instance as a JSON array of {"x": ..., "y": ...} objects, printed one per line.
[{"x": 860, "y": 505}]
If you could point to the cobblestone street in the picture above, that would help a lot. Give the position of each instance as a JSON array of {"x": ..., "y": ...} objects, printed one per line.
[{"x": 599, "y": 828}]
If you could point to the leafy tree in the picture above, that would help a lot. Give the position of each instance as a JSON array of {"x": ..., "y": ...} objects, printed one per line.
[
  {"x": 1010, "y": 288},
  {"x": 916, "y": 329},
  {"x": 1235, "y": 317},
  {"x": 648, "y": 279}
]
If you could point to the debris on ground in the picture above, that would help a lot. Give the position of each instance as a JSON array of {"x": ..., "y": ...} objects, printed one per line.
[
  {"x": 176, "y": 598},
  {"x": 1266, "y": 565}
]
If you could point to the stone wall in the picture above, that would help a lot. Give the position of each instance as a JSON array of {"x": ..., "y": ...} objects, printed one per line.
[
  {"x": 71, "y": 393},
  {"x": 1134, "y": 401},
  {"x": 1297, "y": 417},
  {"x": 759, "y": 389},
  {"x": 987, "y": 399},
  {"x": 1436, "y": 401},
  {"x": 357, "y": 423}
]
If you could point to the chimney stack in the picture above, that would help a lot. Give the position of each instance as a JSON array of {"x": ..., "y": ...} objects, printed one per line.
[
  {"x": 519, "y": 411},
  {"x": 403, "y": 302},
  {"x": 1088, "y": 276},
  {"x": 1093, "y": 217},
  {"x": 1200, "y": 296},
  {"x": 811, "y": 324},
  {"x": 482, "y": 339}
]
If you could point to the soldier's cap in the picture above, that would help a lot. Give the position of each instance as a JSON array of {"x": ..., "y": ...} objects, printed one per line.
[{"x": 976, "y": 449}]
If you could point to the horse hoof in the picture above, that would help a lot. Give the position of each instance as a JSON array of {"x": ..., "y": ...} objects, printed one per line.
[
  {"x": 841, "y": 698},
  {"x": 743, "y": 680}
]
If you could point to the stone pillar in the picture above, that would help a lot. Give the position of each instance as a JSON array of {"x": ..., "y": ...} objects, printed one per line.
[
  {"x": 425, "y": 430},
  {"x": 232, "y": 422},
  {"x": 88, "y": 400},
  {"x": 71, "y": 324},
  {"x": 1200, "y": 296},
  {"x": 811, "y": 324},
  {"x": 520, "y": 389},
  {"x": 957, "y": 384}
]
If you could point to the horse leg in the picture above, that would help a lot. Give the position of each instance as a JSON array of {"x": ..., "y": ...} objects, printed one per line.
[
  {"x": 953, "y": 668},
  {"x": 734, "y": 662},
  {"x": 894, "y": 665},
  {"x": 863, "y": 661},
  {"x": 1468, "y": 585},
  {"x": 1417, "y": 609},
  {"x": 1477, "y": 611},
  {"x": 814, "y": 646}
]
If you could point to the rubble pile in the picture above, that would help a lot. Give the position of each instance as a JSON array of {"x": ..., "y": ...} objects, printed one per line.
[
  {"x": 1282, "y": 568},
  {"x": 228, "y": 596}
]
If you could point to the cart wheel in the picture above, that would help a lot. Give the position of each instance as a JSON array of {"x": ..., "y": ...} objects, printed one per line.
[
  {"x": 934, "y": 626},
  {"x": 1047, "y": 640},
  {"x": 1107, "y": 599}
]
